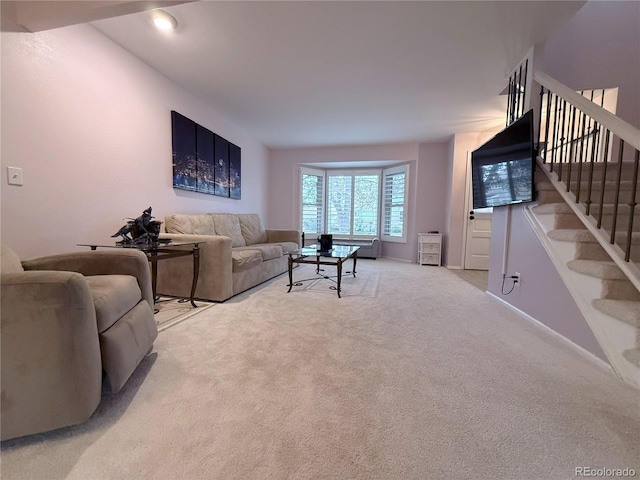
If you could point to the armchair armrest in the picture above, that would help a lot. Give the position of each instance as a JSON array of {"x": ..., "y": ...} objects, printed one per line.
[
  {"x": 275, "y": 236},
  {"x": 118, "y": 261},
  {"x": 51, "y": 362}
]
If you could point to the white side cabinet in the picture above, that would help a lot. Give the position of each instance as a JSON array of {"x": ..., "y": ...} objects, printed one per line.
[{"x": 430, "y": 249}]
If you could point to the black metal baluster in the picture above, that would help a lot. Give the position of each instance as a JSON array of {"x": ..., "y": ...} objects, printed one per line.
[
  {"x": 617, "y": 194},
  {"x": 546, "y": 127},
  {"x": 603, "y": 180},
  {"x": 538, "y": 148},
  {"x": 562, "y": 138},
  {"x": 591, "y": 167},
  {"x": 555, "y": 129},
  {"x": 632, "y": 206},
  {"x": 572, "y": 141},
  {"x": 518, "y": 83},
  {"x": 509, "y": 102},
  {"x": 524, "y": 87},
  {"x": 583, "y": 117}
]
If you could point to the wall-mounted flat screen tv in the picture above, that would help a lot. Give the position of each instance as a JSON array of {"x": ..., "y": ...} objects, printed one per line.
[{"x": 502, "y": 169}]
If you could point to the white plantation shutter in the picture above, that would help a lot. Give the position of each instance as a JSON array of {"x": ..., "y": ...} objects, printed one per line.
[
  {"x": 339, "y": 204},
  {"x": 366, "y": 205},
  {"x": 394, "y": 200},
  {"x": 312, "y": 208},
  {"x": 355, "y": 204}
]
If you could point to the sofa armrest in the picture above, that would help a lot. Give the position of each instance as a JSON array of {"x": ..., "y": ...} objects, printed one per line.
[
  {"x": 276, "y": 236},
  {"x": 51, "y": 363},
  {"x": 215, "y": 280},
  {"x": 117, "y": 261}
]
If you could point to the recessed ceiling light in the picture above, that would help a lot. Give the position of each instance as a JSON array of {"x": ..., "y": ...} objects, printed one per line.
[{"x": 164, "y": 21}]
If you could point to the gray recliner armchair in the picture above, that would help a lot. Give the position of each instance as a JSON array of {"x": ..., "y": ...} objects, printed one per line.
[{"x": 64, "y": 319}]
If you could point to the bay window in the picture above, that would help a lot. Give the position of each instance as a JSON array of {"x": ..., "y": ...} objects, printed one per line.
[{"x": 355, "y": 204}]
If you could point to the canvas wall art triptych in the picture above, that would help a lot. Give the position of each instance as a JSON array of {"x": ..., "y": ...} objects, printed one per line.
[{"x": 204, "y": 161}]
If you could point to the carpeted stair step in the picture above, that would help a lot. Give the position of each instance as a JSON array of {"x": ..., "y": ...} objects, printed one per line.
[
  {"x": 578, "y": 235},
  {"x": 598, "y": 269},
  {"x": 591, "y": 251},
  {"x": 552, "y": 208},
  {"x": 622, "y": 219},
  {"x": 622, "y": 214},
  {"x": 547, "y": 193},
  {"x": 624, "y": 310},
  {"x": 563, "y": 216},
  {"x": 598, "y": 170},
  {"x": 572, "y": 235},
  {"x": 632, "y": 355},
  {"x": 624, "y": 196},
  {"x": 616, "y": 289},
  {"x": 596, "y": 186}
]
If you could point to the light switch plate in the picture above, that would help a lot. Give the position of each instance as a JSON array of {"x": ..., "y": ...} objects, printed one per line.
[{"x": 14, "y": 175}]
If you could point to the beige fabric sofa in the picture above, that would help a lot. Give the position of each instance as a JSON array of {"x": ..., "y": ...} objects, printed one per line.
[
  {"x": 237, "y": 253},
  {"x": 65, "y": 319}
]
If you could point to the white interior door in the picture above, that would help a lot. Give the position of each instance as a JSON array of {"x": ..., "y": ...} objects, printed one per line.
[
  {"x": 478, "y": 230},
  {"x": 478, "y": 239}
]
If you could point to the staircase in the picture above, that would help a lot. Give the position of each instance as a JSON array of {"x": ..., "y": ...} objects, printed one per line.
[
  {"x": 587, "y": 184},
  {"x": 608, "y": 299}
]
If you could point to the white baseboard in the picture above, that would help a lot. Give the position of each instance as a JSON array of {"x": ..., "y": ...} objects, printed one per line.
[{"x": 582, "y": 351}]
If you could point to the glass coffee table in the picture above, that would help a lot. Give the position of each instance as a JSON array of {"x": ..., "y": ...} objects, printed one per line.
[
  {"x": 162, "y": 250},
  {"x": 334, "y": 257}
]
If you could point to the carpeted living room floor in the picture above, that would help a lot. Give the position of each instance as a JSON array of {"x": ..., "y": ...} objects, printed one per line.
[{"x": 413, "y": 374}]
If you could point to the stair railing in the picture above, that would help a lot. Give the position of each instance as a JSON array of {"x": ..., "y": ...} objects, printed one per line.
[{"x": 593, "y": 154}]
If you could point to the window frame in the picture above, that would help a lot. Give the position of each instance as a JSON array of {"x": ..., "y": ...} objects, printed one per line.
[
  {"x": 316, "y": 172},
  {"x": 353, "y": 173},
  {"x": 387, "y": 172},
  {"x": 382, "y": 174}
]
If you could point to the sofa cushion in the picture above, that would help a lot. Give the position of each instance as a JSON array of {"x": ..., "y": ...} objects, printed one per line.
[
  {"x": 287, "y": 247},
  {"x": 201, "y": 224},
  {"x": 252, "y": 229},
  {"x": 244, "y": 259},
  {"x": 113, "y": 296},
  {"x": 9, "y": 260},
  {"x": 269, "y": 251},
  {"x": 228, "y": 225}
]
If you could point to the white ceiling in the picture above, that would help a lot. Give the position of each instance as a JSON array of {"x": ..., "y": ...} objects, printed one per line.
[{"x": 311, "y": 73}]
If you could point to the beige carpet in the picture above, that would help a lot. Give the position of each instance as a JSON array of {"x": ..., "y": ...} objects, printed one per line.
[
  {"x": 429, "y": 379},
  {"x": 171, "y": 311}
]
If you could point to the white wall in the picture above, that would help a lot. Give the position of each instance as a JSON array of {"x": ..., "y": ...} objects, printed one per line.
[
  {"x": 542, "y": 293},
  {"x": 90, "y": 126},
  {"x": 427, "y": 191},
  {"x": 599, "y": 47}
]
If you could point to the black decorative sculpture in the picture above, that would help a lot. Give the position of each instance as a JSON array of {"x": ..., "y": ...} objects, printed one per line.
[{"x": 143, "y": 229}]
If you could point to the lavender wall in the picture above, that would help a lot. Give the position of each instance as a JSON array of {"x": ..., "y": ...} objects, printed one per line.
[
  {"x": 90, "y": 126},
  {"x": 542, "y": 293},
  {"x": 427, "y": 191},
  {"x": 599, "y": 47}
]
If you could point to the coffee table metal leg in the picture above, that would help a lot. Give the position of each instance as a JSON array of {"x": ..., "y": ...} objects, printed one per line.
[
  {"x": 339, "y": 266},
  {"x": 196, "y": 273},
  {"x": 355, "y": 259},
  {"x": 290, "y": 273}
]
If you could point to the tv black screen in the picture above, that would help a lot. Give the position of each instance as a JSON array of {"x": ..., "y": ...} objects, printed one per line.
[{"x": 502, "y": 169}]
